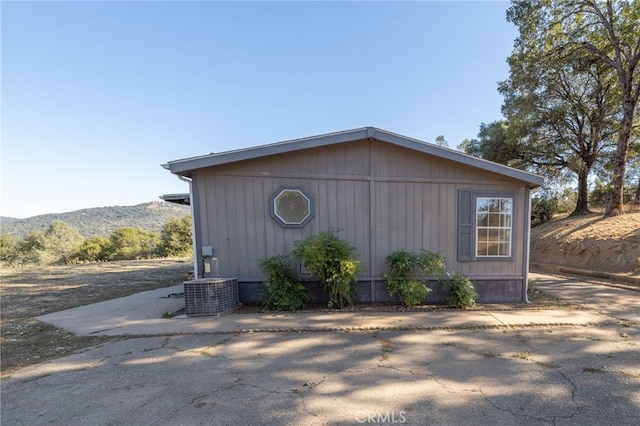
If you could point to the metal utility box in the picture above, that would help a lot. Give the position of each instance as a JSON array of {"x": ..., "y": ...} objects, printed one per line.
[{"x": 210, "y": 296}]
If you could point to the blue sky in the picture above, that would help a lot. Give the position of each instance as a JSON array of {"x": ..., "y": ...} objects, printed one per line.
[{"x": 97, "y": 95}]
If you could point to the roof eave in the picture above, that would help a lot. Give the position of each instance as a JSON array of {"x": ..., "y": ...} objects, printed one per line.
[
  {"x": 185, "y": 166},
  {"x": 531, "y": 179}
]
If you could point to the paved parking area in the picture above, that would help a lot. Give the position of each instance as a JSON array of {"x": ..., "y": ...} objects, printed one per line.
[{"x": 530, "y": 374}]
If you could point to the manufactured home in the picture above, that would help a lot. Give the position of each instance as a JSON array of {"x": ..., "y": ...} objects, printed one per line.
[{"x": 380, "y": 191}]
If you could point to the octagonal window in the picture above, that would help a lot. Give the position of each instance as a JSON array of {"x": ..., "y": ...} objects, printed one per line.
[{"x": 292, "y": 207}]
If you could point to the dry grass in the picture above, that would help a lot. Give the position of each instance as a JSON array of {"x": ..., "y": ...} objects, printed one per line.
[
  {"x": 30, "y": 292},
  {"x": 590, "y": 242}
]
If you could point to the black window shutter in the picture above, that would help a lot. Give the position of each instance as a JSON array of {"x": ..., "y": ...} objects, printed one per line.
[{"x": 465, "y": 224}]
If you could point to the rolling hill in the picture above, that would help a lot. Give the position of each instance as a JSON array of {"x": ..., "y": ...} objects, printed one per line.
[{"x": 99, "y": 221}]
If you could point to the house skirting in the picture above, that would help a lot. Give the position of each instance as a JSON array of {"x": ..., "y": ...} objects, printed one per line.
[{"x": 493, "y": 290}]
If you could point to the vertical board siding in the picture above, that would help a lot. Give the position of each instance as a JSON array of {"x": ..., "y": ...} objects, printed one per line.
[
  {"x": 242, "y": 231},
  {"x": 344, "y": 159},
  {"x": 444, "y": 233},
  {"x": 406, "y": 214},
  {"x": 404, "y": 222},
  {"x": 231, "y": 243}
]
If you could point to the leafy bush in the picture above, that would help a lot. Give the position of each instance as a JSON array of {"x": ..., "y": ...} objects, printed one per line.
[
  {"x": 542, "y": 210},
  {"x": 413, "y": 292},
  {"x": 431, "y": 264},
  {"x": 330, "y": 260},
  {"x": 284, "y": 291},
  {"x": 408, "y": 272},
  {"x": 461, "y": 291}
]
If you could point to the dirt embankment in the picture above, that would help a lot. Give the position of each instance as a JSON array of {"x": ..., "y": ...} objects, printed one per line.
[{"x": 590, "y": 242}]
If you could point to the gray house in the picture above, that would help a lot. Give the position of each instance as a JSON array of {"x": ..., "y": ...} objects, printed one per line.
[{"x": 380, "y": 191}]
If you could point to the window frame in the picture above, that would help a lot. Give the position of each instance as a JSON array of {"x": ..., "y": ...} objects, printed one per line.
[
  {"x": 477, "y": 228},
  {"x": 282, "y": 221},
  {"x": 467, "y": 235}
]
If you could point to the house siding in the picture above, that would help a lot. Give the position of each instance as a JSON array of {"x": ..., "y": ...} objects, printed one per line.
[{"x": 377, "y": 196}]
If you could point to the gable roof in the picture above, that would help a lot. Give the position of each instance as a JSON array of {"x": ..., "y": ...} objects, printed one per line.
[{"x": 185, "y": 166}]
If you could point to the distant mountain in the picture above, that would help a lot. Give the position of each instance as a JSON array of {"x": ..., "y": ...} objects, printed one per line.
[{"x": 100, "y": 221}]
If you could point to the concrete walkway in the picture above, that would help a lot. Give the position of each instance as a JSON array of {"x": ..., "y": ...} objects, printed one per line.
[
  {"x": 599, "y": 295},
  {"x": 577, "y": 367},
  {"x": 141, "y": 314}
]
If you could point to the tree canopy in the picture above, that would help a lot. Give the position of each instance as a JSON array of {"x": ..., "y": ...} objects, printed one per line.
[
  {"x": 562, "y": 115},
  {"x": 176, "y": 237},
  {"x": 61, "y": 243},
  {"x": 60, "y": 240},
  {"x": 575, "y": 83}
]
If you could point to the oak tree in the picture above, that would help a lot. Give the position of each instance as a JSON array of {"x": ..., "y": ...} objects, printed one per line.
[{"x": 558, "y": 33}]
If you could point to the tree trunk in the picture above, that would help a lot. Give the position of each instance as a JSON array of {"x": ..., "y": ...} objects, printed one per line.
[
  {"x": 615, "y": 204},
  {"x": 582, "y": 206},
  {"x": 636, "y": 200}
]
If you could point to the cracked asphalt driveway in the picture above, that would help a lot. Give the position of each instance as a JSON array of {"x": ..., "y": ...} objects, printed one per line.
[
  {"x": 526, "y": 375},
  {"x": 530, "y": 376}
]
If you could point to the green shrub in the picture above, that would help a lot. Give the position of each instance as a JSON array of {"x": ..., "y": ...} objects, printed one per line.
[
  {"x": 413, "y": 292},
  {"x": 542, "y": 210},
  {"x": 401, "y": 264},
  {"x": 284, "y": 291},
  {"x": 531, "y": 286},
  {"x": 431, "y": 264},
  {"x": 408, "y": 273},
  {"x": 461, "y": 291},
  {"x": 401, "y": 281},
  {"x": 330, "y": 260}
]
